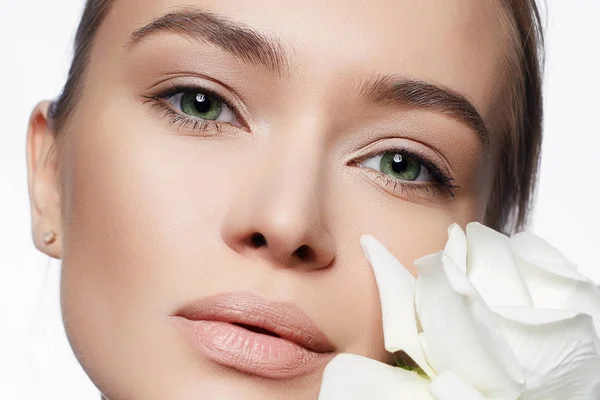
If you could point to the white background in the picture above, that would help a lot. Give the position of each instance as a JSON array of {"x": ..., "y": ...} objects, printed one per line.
[{"x": 35, "y": 51}]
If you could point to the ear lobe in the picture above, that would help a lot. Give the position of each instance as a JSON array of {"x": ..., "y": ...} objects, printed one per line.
[{"x": 42, "y": 173}]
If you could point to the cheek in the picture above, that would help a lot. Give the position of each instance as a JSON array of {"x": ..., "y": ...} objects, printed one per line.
[
  {"x": 144, "y": 202},
  {"x": 142, "y": 220}
]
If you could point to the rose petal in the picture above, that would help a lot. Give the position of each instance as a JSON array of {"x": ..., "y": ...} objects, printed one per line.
[
  {"x": 456, "y": 247},
  {"x": 553, "y": 280},
  {"x": 537, "y": 251},
  {"x": 494, "y": 269},
  {"x": 396, "y": 288},
  {"x": 558, "y": 350},
  {"x": 461, "y": 333},
  {"x": 595, "y": 392},
  {"x": 448, "y": 386},
  {"x": 353, "y": 377}
]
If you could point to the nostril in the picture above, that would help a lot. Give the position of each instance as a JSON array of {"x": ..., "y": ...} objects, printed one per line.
[
  {"x": 258, "y": 240},
  {"x": 305, "y": 253}
]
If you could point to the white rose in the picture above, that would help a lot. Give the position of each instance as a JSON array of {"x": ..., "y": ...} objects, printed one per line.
[{"x": 487, "y": 318}]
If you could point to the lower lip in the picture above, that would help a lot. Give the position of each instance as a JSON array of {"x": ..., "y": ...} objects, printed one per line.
[{"x": 250, "y": 352}]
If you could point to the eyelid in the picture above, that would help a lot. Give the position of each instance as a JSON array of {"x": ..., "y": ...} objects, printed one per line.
[
  {"x": 442, "y": 181},
  {"x": 408, "y": 190},
  {"x": 424, "y": 160},
  {"x": 175, "y": 102},
  {"x": 424, "y": 170},
  {"x": 412, "y": 147},
  {"x": 162, "y": 93}
]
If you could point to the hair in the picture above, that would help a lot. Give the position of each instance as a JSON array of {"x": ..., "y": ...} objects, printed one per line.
[{"x": 515, "y": 181}]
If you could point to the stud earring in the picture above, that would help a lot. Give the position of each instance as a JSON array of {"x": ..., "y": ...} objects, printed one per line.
[{"x": 49, "y": 237}]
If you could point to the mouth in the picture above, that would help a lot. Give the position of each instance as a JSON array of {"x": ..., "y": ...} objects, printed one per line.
[
  {"x": 244, "y": 332},
  {"x": 257, "y": 329}
]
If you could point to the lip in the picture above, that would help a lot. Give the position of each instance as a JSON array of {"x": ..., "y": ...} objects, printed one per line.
[{"x": 209, "y": 325}]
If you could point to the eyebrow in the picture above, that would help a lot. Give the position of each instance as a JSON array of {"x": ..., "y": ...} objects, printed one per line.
[
  {"x": 390, "y": 89},
  {"x": 235, "y": 38}
]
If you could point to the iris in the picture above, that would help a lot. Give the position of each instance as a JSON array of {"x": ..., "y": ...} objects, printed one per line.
[
  {"x": 201, "y": 106},
  {"x": 400, "y": 166}
]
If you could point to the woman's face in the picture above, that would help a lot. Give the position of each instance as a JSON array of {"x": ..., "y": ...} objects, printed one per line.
[{"x": 327, "y": 120}]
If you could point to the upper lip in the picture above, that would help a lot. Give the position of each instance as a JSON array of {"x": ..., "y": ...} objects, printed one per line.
[{"x": 283, "y": 318}]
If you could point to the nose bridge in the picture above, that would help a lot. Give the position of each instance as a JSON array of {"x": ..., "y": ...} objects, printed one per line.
[
  {"x": 296, "y": 172},
  {"x": 277, "y": 214},
  {"x": 288, "y": 194}
]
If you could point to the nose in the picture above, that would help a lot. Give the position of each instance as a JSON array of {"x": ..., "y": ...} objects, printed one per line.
[{"x": 276, "y": 213}]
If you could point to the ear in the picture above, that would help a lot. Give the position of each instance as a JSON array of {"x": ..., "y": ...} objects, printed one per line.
[{"x": 42, "y": 173}]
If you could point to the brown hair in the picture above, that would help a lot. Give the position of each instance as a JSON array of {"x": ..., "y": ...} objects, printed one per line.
[{"x": 516, "y": 176}]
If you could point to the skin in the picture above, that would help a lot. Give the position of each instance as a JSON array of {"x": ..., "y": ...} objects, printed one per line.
[{"x": 150, "y": 217}]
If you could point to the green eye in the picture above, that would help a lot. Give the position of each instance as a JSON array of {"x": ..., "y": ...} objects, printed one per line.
[
  {"x": 400, "y": 166},
  {"x": 201, "y": 105}
]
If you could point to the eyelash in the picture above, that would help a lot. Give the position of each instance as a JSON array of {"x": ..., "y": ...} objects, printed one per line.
[
  {"x": 443, "y": 183},
  {"x": 159, "y": 102}
]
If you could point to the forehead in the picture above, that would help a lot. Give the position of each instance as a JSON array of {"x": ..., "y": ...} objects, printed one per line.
[{"x": 460, "y": 44}]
